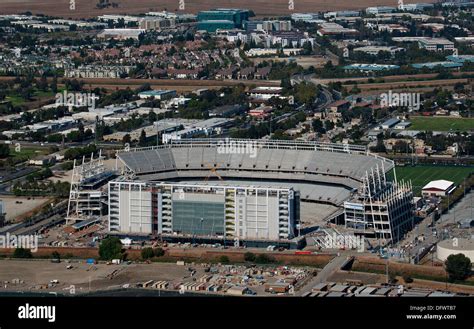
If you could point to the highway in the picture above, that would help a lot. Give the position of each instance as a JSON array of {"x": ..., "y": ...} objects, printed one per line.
[{"x": 324, "y": 98}]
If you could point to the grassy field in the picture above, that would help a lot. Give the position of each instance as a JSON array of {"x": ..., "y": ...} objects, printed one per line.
[
  {"x": 17, "y": 100},
  {"x": 421, "y": 175},
  {"x": 27, "y": 152},
  {"x": 441, "y": 124}
]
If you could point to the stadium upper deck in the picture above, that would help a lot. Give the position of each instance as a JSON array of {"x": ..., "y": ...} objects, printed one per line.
[{"x": 285, "y": 161}]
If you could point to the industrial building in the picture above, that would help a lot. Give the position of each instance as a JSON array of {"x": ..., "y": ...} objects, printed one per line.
[
  {"x": 268, "y": 26},
  {"x": 213, "y": 26},
  {"x": 121, "y": 34},
  {"x": 342, "y": 13},
  {"x": 370, "y": 67},
  {"x": 438, "y": 188},
  {"x": 157, "y": 94},
  {"x": 436, "y": 44},
  {"x": 432, "y": 65},
  {"x": 374, "y": 50},
  {"x": 380, "y": 10},
  {"x": 306, "y": 17},
  {"x": 417, "y": 6},
  {"x": 206, "y": 128},
  {"x": 461, "y": 58},
  {"x": 156, "y": 23},
  {"x": 221, "y": 18}
]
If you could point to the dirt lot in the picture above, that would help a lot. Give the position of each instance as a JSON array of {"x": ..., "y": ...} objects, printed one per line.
[
  {"x": 14, "y": 209},
  {"x": 87, "y": 8},
  {"x": 304, "y": 61},
  {"x": 180, "y": 85},
  {"x": 410, "y": 84},
  {"x": 389, "y": 78},
  {"x": 36, "y": 274}
]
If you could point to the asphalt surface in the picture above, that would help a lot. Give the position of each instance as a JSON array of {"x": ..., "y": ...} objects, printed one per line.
[{"x": 334, "y": 265}]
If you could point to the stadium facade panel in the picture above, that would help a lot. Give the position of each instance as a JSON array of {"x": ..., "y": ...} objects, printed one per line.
[{"x": 233, "y": 212}]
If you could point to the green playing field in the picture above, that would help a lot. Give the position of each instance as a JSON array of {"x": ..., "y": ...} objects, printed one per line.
[{"x": 421, "y": 175}]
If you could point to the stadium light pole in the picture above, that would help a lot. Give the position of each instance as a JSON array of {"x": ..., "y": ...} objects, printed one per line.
[{"x": 202, "y": 220}]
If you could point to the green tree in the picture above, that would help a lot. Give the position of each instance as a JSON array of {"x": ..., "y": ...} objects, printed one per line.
[
  {"x": 458, "y": 267},
  {"x": 4, "y": 151},
  {"x": 159, "y": 252},
  {"x": 22, "y": 253},
  {"x": 264, "y": 259},
  {"x": 224, "y": 259},
  {"x": 142, "y": 140},
  {"x": 55, "y": 255},
  {"x": 110, "y": 248},
  {"x": 147, "y": 253},
  {"x": 318, "y": 126},
  {"x": 249, "y": 257},
  {"x": 152, "y": 116},
  {"x": 126, "y": 139}
]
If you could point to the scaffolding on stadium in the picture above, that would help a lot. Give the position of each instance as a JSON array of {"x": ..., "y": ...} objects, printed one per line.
[{"x": 86, "y": 196}]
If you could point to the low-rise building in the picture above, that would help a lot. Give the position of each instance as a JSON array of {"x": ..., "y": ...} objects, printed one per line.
[
  {"x": 157, "y": 94},
  {"x": 375, "y": 50},
  {"x": 436, "y": 44},
  {"x": 265, "y": 93},
  {"x": 438, "y": 188},
  {"x": 379, "y": 10},
  {"x": 121, "y": 34},
  {"x": 390, "y": 123}
]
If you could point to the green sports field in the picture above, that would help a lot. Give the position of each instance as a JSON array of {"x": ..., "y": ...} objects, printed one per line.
[
  {"x": 441, "y": 123},
  {"x": 421, "y": 175}
]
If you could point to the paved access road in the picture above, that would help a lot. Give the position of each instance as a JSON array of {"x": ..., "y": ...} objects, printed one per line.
[{"x": 334, "y": 265}]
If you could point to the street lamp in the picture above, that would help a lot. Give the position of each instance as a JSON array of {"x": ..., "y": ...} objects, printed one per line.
[{"x": 202, "y": 220}]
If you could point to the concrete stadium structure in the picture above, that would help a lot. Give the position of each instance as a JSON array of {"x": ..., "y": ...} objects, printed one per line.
[
  {"x": 318, "y": 173},
  {"x": 230, "y": 212}
]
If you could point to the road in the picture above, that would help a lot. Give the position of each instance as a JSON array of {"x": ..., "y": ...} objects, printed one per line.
[
  {"x": 462, "y": 210},
  {"x": 334, "y": 265},
  {"x": 324, "y": 98}
]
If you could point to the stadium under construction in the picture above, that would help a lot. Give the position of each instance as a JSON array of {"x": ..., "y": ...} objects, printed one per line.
[{"x": 256, "y": 192}]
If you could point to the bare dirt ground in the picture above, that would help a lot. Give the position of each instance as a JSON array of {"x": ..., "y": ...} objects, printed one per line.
[
  {"x": 36, "y": 274},
  {"x": 87, "y": 8},
  {"x": 365, "y": 278},
  {"x": 304, "y": 61},
  {"x": 180, "y": 85},
  {"x": 16, "y": 210}
]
